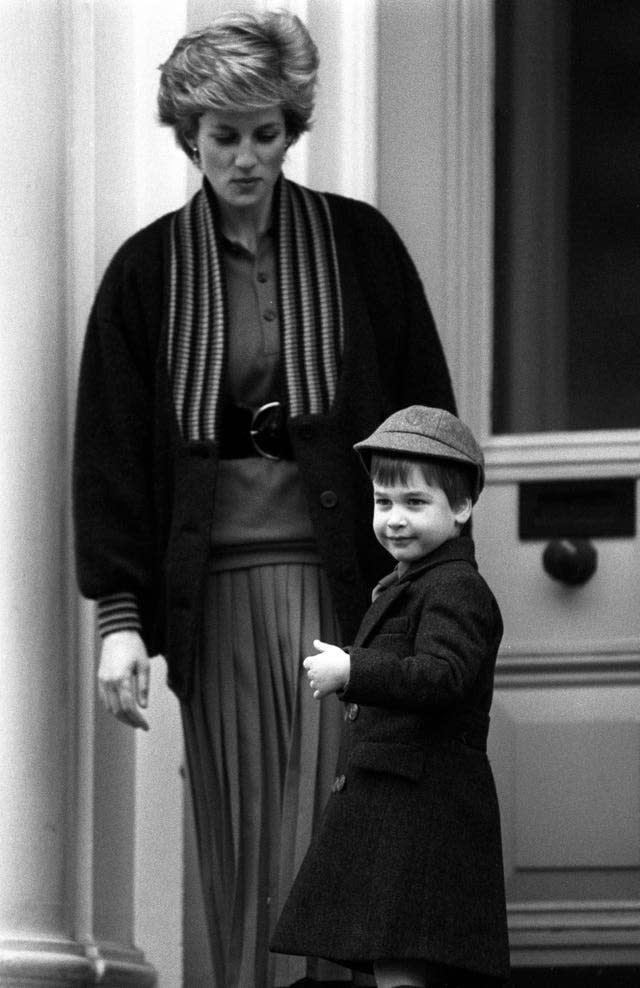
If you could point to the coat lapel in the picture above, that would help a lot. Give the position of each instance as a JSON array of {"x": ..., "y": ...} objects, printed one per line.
[
  {"x": 377, "y": 610},
  {"x": 458, "y": 549}
]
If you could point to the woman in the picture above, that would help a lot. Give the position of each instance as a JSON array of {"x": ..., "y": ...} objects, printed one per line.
[{"x": 236, "y": 351}]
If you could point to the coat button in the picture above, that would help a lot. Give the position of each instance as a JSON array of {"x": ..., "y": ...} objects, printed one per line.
[
  {"x": 351, "y": 711},
  {"x": 338, "y": 783},
  {"x": 328, "y": 499}
]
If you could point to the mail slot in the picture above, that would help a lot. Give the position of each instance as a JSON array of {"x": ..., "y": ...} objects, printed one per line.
[{"x": 602, "y": 509}]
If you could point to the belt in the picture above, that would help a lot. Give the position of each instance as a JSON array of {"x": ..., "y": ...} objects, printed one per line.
[{"x": 263, "y": 433}]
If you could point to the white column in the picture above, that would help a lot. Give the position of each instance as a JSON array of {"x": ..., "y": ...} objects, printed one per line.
[
  {"x": 343, "y": 144},
  {"x": 78, "y": 175},
  {"x": 340, "y": 153},
  {"x": 36, "y": 725},
  {"x": 435, "y": 179}
]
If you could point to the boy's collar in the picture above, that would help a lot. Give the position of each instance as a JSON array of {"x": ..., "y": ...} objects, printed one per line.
[{"x": 461, "y": 548}]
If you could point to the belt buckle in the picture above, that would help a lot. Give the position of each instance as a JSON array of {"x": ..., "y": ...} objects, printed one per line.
[{"x": 267, "y": 430}]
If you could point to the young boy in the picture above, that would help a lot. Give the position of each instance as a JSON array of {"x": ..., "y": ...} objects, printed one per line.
[{"x": 405, "y": 877}]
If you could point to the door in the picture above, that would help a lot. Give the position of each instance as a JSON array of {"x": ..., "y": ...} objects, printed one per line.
[{"x": 557, "y": 528}]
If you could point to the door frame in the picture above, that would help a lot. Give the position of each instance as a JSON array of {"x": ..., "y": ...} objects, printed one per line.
[{"x": 542, "y": 933}]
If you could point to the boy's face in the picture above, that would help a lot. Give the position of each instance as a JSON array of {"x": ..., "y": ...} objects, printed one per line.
[{"x": 411, "y": 520}]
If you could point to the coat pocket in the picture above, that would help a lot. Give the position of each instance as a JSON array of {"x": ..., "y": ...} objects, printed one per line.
[{"x": 405, "y": 760}]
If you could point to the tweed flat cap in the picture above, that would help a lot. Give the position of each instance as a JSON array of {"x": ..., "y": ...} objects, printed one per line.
[{"x": 429, "y": 432}]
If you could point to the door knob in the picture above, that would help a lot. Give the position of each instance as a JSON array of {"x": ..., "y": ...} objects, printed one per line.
[{"x": 572, "y": 561}]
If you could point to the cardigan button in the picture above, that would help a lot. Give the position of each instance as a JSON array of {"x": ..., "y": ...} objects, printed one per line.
[
  {"x": 328, "y": 499},
  {"x": 338, "y": 783}
]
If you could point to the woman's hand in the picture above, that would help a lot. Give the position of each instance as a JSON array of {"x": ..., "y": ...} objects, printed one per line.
[
  {"x": 123, "y": 677},
  {"x": 328, "y": 671}
]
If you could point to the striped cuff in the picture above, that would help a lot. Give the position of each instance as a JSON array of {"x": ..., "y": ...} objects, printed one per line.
[{"x": 118, "y": 612}]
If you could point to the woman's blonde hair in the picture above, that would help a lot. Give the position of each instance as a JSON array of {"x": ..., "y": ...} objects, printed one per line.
[{"x": 241, "y": 61}]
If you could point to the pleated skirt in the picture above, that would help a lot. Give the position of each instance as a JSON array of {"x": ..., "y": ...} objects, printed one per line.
[{"x": 261, "y": 756}]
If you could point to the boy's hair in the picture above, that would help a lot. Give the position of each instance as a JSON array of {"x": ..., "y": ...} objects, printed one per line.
[{"x": 453, "y": 477}]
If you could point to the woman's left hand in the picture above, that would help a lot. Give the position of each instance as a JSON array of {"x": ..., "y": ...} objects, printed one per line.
[{"x": 329, "y": 671}]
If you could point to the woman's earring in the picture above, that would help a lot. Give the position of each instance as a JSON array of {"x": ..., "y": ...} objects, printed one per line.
[{"x": 195, "y": 156}]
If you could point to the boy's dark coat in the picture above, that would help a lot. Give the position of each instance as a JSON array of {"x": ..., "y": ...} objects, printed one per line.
[{"x": 408, "y": 862}]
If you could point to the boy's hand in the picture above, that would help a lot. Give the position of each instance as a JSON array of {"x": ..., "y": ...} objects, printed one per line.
[{"x": 328, "y": 671}]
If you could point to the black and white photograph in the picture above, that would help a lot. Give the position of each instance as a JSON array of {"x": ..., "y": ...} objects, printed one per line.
[{"x": 320, "y": 446}]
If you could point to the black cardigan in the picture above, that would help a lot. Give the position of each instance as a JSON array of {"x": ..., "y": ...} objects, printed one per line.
[{"x": 143, "y": 498}]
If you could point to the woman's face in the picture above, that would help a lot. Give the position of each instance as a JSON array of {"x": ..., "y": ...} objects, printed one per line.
[{"x": 242, "y": 154}]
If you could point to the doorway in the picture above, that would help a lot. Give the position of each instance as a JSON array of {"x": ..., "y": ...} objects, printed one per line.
[{"x": 563, "y": 453}]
